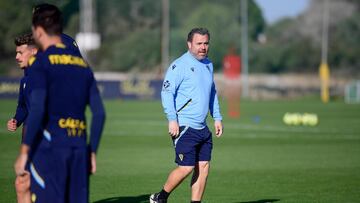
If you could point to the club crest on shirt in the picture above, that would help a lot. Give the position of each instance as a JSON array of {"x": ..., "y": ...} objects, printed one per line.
[
  {"x": 173, "y": 67},
  {"x": 192, "y": 69},
  {"x": 181, "y": 157},
  {"x": 208, "y": 67},
  {"x": 24, "y": 85}
]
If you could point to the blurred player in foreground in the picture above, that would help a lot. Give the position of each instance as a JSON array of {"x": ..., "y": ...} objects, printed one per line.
[
  {"x": 55, "y": 140},
  {"x": 25, "y": 51},
  {"x": 187, "y": 96}
]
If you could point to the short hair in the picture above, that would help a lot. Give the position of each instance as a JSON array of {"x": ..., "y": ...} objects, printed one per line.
[
  {"x": 25, "y": 39},
  {"x": 201, "y": 31},
  {"x": 48, "y": 17}
]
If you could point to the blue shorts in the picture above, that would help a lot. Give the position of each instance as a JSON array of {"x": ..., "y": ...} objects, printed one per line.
[
  {"x": 42, "y": 174},
  {"x": 59, "y": 174},
  {"x": 192, "y": 146}
]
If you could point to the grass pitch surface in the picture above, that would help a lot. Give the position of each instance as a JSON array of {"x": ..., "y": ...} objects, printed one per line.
[{"x": 258, "y": 159}]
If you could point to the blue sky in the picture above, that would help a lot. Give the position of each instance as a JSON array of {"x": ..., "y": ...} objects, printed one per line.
[{"x": 274, "y": 10}]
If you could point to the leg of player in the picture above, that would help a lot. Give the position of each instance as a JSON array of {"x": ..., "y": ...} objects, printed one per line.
[
  {"x": 176, "y": 177},
  {"x": 198, "y": 181},
  {"x": 22, "y": 185}
]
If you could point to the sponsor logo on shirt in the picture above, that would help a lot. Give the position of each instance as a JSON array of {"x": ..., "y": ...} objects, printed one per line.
[
  {"x": 65, "y": 59},
  {"x": 74, "y": 127}
]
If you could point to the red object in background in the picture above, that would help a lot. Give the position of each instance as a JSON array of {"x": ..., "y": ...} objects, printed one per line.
[
  {"x": 232, "y": 66},
  {"x": 232, "y": 70}
]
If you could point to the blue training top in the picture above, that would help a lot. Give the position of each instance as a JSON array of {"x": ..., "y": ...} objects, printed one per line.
[
  {"x": 62, "y": 85},
  {"x": 23, "y": 105},
  {"x": 70, "y": 43},
  {"x": 189, "y": 92}
]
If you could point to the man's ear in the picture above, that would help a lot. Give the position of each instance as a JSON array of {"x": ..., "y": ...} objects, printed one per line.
[
  {"x": 34, "y": 51},
  {"x": 189, "y": 45}
]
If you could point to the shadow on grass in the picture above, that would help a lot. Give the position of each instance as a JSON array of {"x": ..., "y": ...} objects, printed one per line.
[
  {"x": 129, "y": 199},
  {"x": 261, "y": 201}
]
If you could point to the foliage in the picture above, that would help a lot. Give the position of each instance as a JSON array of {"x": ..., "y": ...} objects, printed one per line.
[
  {"x": 139, "y": 51},
  {"x": 344, "y": 44},
  {"x": 130, "y": 41},
  {"x": 131, "y": 34},
  {"x": 294, "y": 45},
  {"x": 296, "y": 55},
  {"x": 15, "y": 19}
]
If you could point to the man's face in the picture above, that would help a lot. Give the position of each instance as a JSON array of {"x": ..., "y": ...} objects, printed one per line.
[
  {"x": 199, "y": 46},
  {"x": 23, "y": 54}
]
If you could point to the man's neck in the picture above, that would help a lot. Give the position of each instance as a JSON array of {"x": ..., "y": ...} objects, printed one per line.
[{"x": 50, "y": 41}]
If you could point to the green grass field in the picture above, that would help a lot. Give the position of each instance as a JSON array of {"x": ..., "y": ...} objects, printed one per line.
[{"x": 258, "y": 159}]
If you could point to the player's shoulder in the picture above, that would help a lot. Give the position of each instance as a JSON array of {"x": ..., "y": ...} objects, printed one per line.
[
  {"x": 175, "y": 68},
  {"x": 70, "y": 43},
  {"x": 62, "y": 48},
  {"x": 58, "y": 48},
  {"x": 36, "y": 60},
  {"x": 183, "y": 59},
  {"x": 179, "y": 63},
  {"x": 67, "y": 40}
]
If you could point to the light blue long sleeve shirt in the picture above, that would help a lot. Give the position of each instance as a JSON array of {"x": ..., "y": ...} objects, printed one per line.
[{"x": 189, "y": 93}]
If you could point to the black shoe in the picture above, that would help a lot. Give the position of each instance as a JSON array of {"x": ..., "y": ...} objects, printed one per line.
[{"x": 154, "y": 198}]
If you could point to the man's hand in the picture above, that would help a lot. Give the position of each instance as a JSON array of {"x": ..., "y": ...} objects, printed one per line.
[
  {"x": 21, "y": 160},
  {"x": 93, "y": 162},
  {"x": 218, "y": 128},
  {"x": 22, "y": 183},
  {"x": 173, "y": 128},
  {"x": 12, "y": 125},
  {"x": 22, "y": 186}
]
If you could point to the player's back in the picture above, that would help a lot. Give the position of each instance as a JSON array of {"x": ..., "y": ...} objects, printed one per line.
[{"x": 68, "y": 79}]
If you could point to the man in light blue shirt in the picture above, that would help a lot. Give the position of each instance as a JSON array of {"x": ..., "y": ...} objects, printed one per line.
[{"x": 188, "y": 95}]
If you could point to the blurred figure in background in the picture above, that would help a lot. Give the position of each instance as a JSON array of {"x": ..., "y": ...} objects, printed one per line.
[
  {"x": 25, "y": 52},
  {"x": 25, "y": 49}
]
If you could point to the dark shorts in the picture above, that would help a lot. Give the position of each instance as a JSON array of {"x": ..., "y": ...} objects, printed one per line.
[
  {"x": 59, "y": 174},
  {"x": 192, "y": 146},
  {"x": 43, "y": 180}
]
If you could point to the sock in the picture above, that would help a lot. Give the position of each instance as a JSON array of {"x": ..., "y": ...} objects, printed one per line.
[
  {"x": 163, "y": 194},
  {"x": 195, "y": 201}
]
